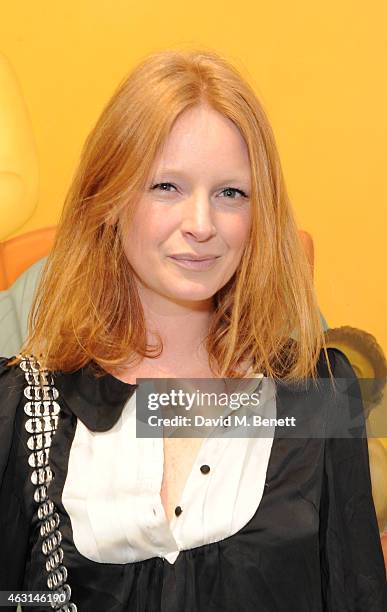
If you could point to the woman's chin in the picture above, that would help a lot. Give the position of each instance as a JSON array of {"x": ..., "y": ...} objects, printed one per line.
[{"x": 192, "y": 297}]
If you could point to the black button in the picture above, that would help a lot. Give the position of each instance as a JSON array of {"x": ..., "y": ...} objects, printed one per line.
[
  {"x": 205, "y": 469},
  {"x": 178, "y": 510}
]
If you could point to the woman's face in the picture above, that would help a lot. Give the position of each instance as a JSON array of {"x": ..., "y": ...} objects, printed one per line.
[{"x": 196, "y": 204}]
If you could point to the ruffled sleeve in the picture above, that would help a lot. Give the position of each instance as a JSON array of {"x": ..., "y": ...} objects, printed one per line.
[
  {"x": 15, "y": 514},
  {"x": 352, "y": 567}
]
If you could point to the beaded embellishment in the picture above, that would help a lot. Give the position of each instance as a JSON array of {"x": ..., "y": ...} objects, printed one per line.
[{"x": 43, "y": 412}]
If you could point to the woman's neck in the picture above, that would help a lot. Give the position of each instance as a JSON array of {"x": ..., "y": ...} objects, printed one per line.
[{"x": 183, "y": 331}]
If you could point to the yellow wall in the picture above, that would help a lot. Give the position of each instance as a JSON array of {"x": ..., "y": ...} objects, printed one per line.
[{"x": 319, "y": 69}]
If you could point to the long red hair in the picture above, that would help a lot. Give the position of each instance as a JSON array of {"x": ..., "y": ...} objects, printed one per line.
[{"x": 87, "y": 307}]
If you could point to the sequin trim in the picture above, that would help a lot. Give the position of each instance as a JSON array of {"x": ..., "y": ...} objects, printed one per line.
[{"x": 43, "y": 412}]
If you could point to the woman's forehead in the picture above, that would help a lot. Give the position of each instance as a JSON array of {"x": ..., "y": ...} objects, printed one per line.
[{"x": 202, "y": 139}]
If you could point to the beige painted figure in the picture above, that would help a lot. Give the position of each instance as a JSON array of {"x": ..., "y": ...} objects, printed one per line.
[{"x": 18, "y": 157}]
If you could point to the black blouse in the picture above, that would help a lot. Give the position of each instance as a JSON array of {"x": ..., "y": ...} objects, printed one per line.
[{"x": 313, "y": 544}]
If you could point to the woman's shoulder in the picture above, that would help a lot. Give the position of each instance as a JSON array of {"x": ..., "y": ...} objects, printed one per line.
[
  {"x": 12, "y": 378},
  {"x": 8, "y": 364},
  {"x": 339, "y": 364},
  {"x": 5, "y": 364},
  {"x": 12, "y": 382}
]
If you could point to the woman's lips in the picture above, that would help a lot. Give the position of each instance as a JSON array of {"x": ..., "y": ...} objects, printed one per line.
[{"x": 191, "y": 264}]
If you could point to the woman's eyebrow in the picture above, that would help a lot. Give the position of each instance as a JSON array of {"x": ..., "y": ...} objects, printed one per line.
[
  {"x": 170, "y": 172},
  {"x": 184, "y": 175}
]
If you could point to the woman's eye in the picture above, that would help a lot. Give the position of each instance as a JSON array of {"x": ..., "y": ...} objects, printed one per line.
[
  {"x": 163, "y": 186},
  {"x": 230, "y": 192}
]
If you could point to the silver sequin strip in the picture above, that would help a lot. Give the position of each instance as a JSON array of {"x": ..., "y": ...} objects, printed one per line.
[{"x": 43, "y": 412}]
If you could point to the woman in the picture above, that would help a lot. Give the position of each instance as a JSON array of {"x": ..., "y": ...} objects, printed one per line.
[{"x": 178, "y": 257}]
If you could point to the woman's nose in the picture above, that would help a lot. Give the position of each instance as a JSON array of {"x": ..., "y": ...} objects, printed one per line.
[{"x": 197, "y": 217}]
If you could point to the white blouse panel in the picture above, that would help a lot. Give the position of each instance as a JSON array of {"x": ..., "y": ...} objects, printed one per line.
[{"x": 113, "y": 484}]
